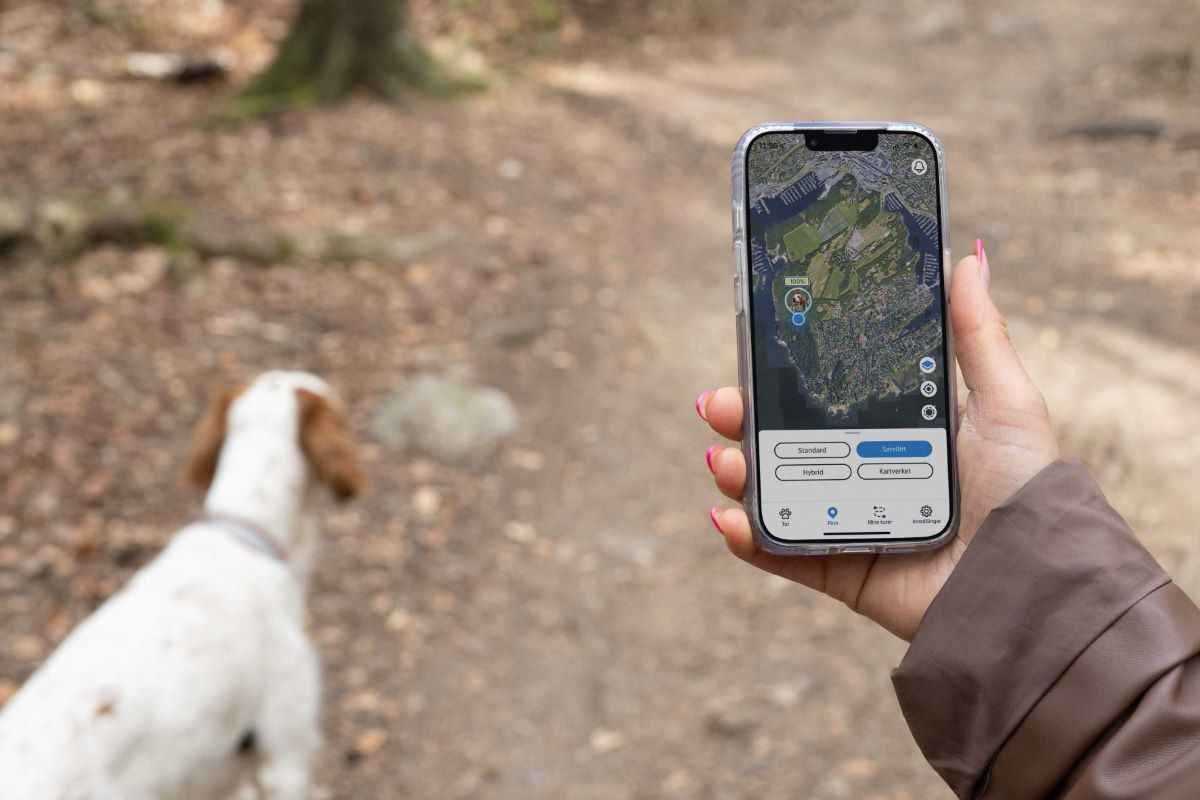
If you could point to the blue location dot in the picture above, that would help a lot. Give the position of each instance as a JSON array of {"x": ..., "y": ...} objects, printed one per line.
[
  {"x": 799, "y": 318},
  {"x": 832, "y": 512}
]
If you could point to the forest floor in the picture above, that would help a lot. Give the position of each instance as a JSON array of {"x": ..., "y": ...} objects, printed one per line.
[{"x": 562, "y": 622}]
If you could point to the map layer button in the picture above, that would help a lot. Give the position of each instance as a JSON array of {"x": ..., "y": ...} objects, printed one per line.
[
  {"x": 812, "y": 450},
  {"x": 894, "y": 449},
  {"x": 812, "y": 472},
  {"x": 895, "y": 472}
]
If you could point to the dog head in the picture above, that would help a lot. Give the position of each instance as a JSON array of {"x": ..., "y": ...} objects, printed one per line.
[{"x": 295, "y": 404}]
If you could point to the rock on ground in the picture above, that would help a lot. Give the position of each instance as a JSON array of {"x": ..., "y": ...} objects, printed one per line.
[{"x": 451, "y": 421}]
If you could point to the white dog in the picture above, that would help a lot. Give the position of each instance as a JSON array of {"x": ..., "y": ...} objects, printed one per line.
[{"x": 205, "y": 649}]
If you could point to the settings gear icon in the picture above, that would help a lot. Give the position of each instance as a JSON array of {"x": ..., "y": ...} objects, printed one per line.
[{"x": 926, "y": 511}]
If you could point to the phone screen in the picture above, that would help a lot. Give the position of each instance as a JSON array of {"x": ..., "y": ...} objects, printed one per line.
[{"x": 847, "y": 320}]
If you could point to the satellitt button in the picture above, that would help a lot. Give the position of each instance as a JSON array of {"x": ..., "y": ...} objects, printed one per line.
[{"x": 897, "y": 449}]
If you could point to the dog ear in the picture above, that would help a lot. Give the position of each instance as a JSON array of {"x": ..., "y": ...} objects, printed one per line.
[
  {"x": 326, "y": 442},
  {"x": 208, "y": 437}
]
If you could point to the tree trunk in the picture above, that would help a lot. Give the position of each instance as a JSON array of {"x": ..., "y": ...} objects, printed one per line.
[{"x": 336, "y": 46}]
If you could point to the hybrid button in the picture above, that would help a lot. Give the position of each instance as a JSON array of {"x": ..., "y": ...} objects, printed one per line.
[{"x": 812, "y": 472}]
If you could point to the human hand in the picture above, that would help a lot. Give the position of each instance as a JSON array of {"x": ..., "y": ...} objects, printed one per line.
[{"x": 1004, "y": 439}]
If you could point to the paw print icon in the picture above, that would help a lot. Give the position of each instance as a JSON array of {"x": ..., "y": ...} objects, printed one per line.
[{"x": 785, "y": 514}]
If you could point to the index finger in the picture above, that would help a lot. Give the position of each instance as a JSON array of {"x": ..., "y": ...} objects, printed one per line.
[{"x": 722, "y": 409}]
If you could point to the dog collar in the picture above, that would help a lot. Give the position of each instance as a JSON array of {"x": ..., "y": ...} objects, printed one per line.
[{"x": 250, "y": 534}]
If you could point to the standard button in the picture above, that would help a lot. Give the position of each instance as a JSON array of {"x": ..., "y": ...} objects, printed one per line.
[
  {"x": 895, "y": 472},
  {"x": 812, "y": 472},
  {"x": 894, "y": 449},
  {"x": 812, "y": 450}
]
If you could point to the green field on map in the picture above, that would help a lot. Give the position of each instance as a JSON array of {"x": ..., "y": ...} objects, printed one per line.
[{"x": 869, "y": 322}]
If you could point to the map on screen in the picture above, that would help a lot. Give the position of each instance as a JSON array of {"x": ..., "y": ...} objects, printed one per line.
[{"x": 845, "y": 267}]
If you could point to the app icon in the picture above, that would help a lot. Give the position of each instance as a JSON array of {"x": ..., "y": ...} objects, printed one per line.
[
  {"x": 927, "y": 364},
  {"x": 919, "y": 167},
  {"x": 785, "y": 513},
  {"x": 880, "y": 512},
  {"x": 929, "y": 412},
  {"x": 832, "y": 512},
  {"x": 928, "y": 388},
  {"x": 926, "y": 511}
]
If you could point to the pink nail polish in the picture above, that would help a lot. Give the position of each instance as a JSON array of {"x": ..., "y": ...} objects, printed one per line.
[
  {"x": 701, "y": 401},
  {"x": 708, "y": 457},
  {"x": 712, "y": 515},
  {"x": 981, "y": 255}
]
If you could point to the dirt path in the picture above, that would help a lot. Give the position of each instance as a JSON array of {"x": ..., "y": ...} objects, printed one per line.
[
  {"x": 563, "y": 623},
  {"x": 706, "y": 680}
]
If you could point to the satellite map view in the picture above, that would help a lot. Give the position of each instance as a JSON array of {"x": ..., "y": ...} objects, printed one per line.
[{"x": 845, "y": 271}]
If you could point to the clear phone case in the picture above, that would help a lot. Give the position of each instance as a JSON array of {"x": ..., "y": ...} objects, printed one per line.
[{"x": 742, "y": 288}]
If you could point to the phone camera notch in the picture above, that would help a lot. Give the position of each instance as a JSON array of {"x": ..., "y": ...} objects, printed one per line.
[{"x": 841, "y": 140}]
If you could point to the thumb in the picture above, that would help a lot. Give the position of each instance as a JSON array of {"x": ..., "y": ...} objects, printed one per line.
[{"x": 981, "y": 344}]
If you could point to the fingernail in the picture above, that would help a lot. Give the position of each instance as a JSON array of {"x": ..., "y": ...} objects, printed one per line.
[
  {"x": 712, "y": 514},
  {"x": 708, "y": 457},
  {"x": 981, "y": 255},
  {"x": 701, "y": 401}
]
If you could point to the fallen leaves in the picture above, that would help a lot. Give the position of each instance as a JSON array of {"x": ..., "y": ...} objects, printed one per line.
[
  {"x": 606, "y": 740},
  {"x": 367, "y": 744},
  {"x": 426, "y": 502},
  {"x": 520, "y": 532}
]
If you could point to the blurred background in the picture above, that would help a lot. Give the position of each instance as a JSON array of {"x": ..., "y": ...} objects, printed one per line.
[{"x": 515, "y": 227}]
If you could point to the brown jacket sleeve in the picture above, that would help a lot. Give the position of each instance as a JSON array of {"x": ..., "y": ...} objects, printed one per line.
[{"x": 1058, "y": 661}]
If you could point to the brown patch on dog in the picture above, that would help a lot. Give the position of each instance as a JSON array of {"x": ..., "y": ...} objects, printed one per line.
[
  {"x": 106, "y": 709},
  {"x": 208, "y": 437},
  {"x": 326, "y": 441}
]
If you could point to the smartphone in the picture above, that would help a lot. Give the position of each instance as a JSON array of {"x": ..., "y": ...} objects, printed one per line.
[{"x": 844, "y": 349}]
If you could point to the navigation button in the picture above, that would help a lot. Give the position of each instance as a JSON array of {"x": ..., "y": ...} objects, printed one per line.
[
  {"x": 812, "y": 472},
  {"x": 895, "y": 472},
  {"x": 812, "y": 450},
  {"x": 894, "y": 449}
]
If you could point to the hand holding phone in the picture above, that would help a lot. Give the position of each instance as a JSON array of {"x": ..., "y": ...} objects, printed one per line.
[
  {"x": 846, "y": 360},
  {"x": 1005, "y": 438}
]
